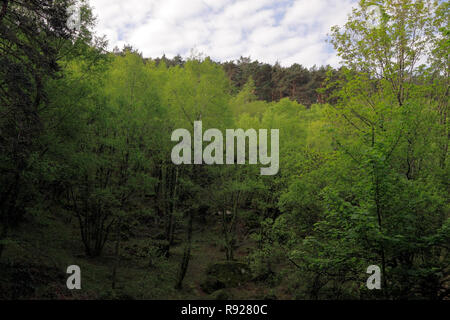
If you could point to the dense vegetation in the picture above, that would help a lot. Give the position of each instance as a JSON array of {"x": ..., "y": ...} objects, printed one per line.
[{"x": 87, "y": 178}]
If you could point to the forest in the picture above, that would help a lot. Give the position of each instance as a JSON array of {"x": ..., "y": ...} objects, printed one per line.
[{"x": 87, "y": 177}]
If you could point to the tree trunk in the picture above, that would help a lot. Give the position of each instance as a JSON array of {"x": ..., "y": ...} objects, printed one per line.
[
  {"x": 116, "y": 255},
  {"x": 186, "y": 255}
]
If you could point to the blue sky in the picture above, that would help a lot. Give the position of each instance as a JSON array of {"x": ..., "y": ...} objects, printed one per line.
[{"x": 287, "y": 31}]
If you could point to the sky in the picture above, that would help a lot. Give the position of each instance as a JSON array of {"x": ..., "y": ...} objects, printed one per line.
[{"x": 284, "y": 31}]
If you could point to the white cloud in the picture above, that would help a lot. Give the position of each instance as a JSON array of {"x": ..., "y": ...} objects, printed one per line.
[
  {"x": 305, "y": 12},
  {"x": 288, "y": 31}
]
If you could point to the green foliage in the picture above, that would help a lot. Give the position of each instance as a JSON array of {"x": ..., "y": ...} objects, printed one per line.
[{"x": 363, "y": 179}]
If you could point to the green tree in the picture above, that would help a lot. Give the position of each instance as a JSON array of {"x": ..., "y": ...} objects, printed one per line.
[{"x": 33, "y": 37}]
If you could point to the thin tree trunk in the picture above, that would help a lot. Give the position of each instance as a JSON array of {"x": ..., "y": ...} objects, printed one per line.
[
  {"x": 379, "y": 217},
  {"x": 186, "y": 255},
  {"x": 170, "y": 228},
  {"x": 116, "y": 255}
]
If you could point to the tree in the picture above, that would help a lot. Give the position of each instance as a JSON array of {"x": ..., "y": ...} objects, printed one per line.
[
  {"x": 32, "y": 37},
  {"x": 383, "y": 125}
]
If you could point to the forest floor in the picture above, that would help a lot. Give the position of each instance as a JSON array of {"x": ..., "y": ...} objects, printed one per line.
[{"x": 34, "y": 266}]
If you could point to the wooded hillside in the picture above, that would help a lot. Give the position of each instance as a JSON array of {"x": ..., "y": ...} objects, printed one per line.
[{"x": 87, "y": 178}]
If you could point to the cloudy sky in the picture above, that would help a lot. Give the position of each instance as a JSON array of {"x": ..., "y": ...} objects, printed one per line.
[{"x": 288, "y": 31}]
